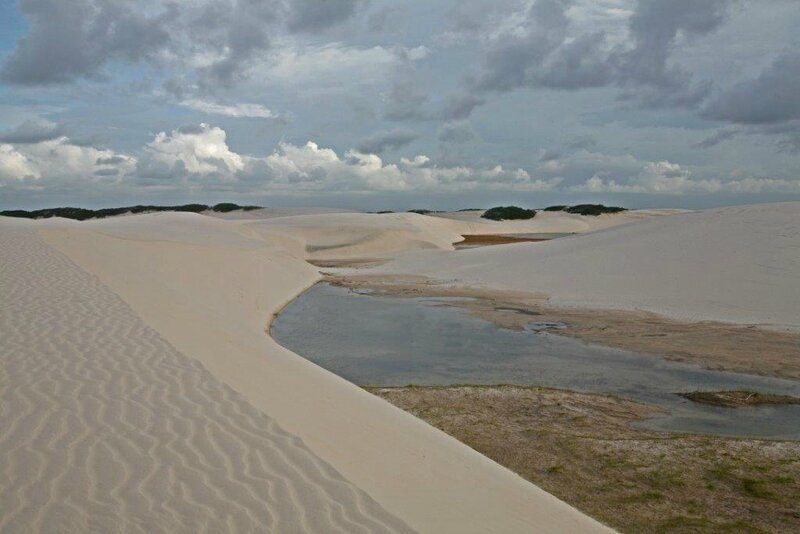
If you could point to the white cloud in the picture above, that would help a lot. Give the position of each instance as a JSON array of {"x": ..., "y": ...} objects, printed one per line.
[
  {"x": 14, "y": 165},
  {"x": 60, "y": 159},
  {"x": 197, "y": 150},
  {"x": 310, "y": 167},
  {"x": 235, "y": 110},
  {"x": 293, "y": 64},
  {"x": 663, "y": 177}
]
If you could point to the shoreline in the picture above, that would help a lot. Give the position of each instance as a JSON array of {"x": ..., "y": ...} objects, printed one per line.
[{"x": 712, "y": 345}]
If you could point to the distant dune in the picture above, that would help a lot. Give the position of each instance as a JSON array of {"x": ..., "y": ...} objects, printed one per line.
[{"x": 737, "y": 264}]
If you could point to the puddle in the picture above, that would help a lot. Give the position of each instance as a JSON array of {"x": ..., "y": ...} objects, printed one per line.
[{"x": 379, "y": 340}]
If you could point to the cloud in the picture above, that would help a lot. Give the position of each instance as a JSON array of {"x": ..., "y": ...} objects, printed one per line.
[
  {"x": 336, "y": 63},
  {"x": 386, "y": 140},
  {"x": 32, "y": 131},
  {"x": 459, "y": 105},
  {"x": 312, "y": 168},
  {"x": 655, "y": 27},
  {"x": 234, "y": 110},
  {"x": 58, "y": 159},
  {"x": 772, "y": 97},
  {"x": 69, "y": 40},
  {"x": 14, "y": 165},
  {"x": 404, "y": 101},
  {"x": 198, "y": 150},
  {"x": 315, "y": 15},
  {"x": 665, "y": 178},
  {"x": 456, "y": 133},
  {"x": 717, "y": 138},
  {"x": 206, "y": 43},
  {"x": 546, "y": 47}
]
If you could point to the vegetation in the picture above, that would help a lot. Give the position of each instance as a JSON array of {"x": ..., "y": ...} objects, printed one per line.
[
  {"x": 81, "y": 214},
  {"x": 587, "y": 209},
  {"x": 421, "y": 211},
  {"x": 501, "y": 213},
  {"x": 583, "y": 449}
]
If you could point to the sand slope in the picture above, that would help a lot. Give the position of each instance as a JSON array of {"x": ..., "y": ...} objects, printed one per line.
[
  {"x": 738, "y": 264},
  {"x": 339, "y": 236},
  {"x": 546, "y": 222},
  {"x": 138, "y": 376},
  {"x": 107, "y": 428}
]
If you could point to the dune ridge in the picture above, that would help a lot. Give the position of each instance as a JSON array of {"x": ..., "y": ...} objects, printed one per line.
[
  {"x": 737, "y": 265},
  {"x": 210, "y": 286},
  {"x": 108, "y": 428}
]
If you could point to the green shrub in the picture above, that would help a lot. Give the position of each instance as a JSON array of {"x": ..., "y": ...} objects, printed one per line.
[
  {"x": 82, "y": 214},
  {"x": 501, "y": 213},
  {"x": 593, "y": 209},
  {"x": 555, "y": 208}
]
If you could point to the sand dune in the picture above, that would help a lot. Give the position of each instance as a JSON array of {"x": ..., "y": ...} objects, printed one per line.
[
  {"x": 107, "y": 428},
  {"x": 142, "y": 393},
  {"x": 547, "y": 222},
  {"x": 361, "y": 235},
  {"x": 738, "y": 265}
]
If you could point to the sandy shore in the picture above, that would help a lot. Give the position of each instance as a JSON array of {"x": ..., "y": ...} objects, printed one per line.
[{"x": 142, "y": 394}]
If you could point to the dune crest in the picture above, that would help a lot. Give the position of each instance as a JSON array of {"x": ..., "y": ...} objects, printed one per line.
[{"x": 107, "y": 428}]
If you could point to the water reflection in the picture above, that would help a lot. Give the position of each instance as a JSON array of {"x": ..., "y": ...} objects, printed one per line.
[{"x": 397, "y": 341}]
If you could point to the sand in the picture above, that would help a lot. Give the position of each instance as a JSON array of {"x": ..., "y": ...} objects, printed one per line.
[
  {"x": 736, "y": 265},
  {"x": 140, "y": 391}
]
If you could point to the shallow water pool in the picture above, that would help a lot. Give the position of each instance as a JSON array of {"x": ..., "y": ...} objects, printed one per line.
[{"x": 378, "y": 340}]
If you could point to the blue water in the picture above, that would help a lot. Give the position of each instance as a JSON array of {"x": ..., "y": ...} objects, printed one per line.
[{"x": 378, "y": 340}]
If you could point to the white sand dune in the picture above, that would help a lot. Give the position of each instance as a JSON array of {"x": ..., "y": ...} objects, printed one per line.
[
  {"x": 361, "y": 235},
  {"x": 107, "y": 428},
  {"x": 548, "y": 222},
  {"x": 738, "y": 265},
  {"x": 140, "y": 391}
]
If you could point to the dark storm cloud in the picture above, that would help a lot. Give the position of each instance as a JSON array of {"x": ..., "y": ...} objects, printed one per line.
[
  {"x": 456, "y": 133},
  {"x": 550, "y": 155},
  {"x": 544, "y": 54},
  {"x": 773, "y": 96},
  {"x": 404, "y": 101},
  {"x": 717, "y": 138},
  {"x": 68, "y": 40},
  {"x": 460, "y": 105},
  {"x": 315, "y": 15},
  {"x": 76, "y": 39},
  {"x": 31, "y": 132},
  {"x": 386, "y": 140},
  {"x": 581, "y": 142},
  {"x": 235, "y": 31}
]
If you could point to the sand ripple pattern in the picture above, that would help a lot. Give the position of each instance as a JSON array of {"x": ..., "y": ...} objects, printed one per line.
[{"x": 104, "y": 427}]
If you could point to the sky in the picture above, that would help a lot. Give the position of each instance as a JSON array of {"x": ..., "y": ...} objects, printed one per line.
[{"x": 378, "y": 104}]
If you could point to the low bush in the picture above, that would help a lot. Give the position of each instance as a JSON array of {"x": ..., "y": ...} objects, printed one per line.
[
  {"x": 82, "y": 214},
  {"x": 501, "y": 213},
  {"x": 593, "y": 209}
]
